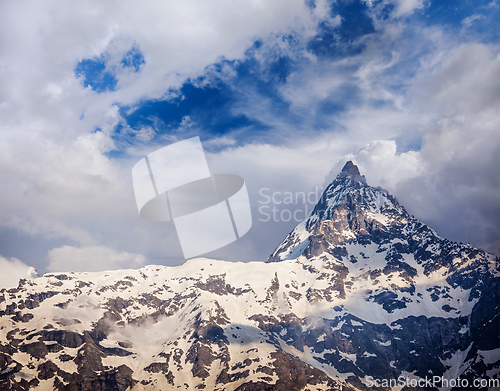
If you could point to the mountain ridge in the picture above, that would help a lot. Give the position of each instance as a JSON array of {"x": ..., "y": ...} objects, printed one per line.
[{"x": 358, "y": 291}]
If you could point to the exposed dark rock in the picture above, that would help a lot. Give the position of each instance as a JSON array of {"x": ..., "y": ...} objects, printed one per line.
[
  {"x": 157, "y": 367},
  {"x": 201, "y": 356},
  {"x": 215, "y": 284},
  {"x": 36, "y": 349},
  {"x": 46, "y": 370}
]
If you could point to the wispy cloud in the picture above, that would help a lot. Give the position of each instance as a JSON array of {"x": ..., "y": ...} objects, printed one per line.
[
  {"x": 471, "y": 19},
  {"x": 91, "y": 259}
]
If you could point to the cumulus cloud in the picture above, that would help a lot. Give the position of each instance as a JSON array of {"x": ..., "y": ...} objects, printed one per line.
[
  {"x": 13, "y": 270},
  {"x": 412, "y": 105},
  {"x": 383, "y": 166},
  {"x": 91, "y": 258},
  {"x": 56, "y": 178}
]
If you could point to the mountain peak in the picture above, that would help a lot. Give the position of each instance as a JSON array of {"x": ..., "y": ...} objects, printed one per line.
[
  {"x": 349, "y": 212},
  {"x": 351, "y": 168}
]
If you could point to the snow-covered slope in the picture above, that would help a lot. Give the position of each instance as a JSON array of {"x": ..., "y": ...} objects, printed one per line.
[{"x": 358, "y": 291}]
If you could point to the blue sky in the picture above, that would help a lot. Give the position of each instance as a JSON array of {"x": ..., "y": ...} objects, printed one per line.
[
  {"x": 281, "y": 93},
  {"x": 212, "y": 99}
]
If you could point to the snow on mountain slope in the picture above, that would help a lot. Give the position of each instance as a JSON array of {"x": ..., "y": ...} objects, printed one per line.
[
  {"x": 193, "y": 324},
  {"x": 360, "y": 290}
]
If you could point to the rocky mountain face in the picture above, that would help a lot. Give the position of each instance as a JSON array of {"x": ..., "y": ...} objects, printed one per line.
[{"x": 360, "y": 294}]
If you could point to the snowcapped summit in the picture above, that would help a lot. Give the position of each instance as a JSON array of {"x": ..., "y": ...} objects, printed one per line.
[{"x": 349, "y": 211}]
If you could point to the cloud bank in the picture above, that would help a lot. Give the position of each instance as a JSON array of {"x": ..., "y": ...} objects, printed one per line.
[
  {"x": 281, "y": 93},
  {"x": 92, "y": 259}
]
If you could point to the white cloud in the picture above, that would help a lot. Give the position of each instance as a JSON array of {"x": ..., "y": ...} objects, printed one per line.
[
  {"x": 145, "y": 134},
  {"x": 466, "y": 82},
  {"x": 492, "y": 4},
  {"x": 186, "y": 122},
  {"x": 470, "y": 19},
  {"x": 406, "y": 7},
  {"x": 57, "y": 181},
  {"x": 13, "y": 270},
  {"x": 383, "y": 166},
  {"x": 92, "y": 258}
]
